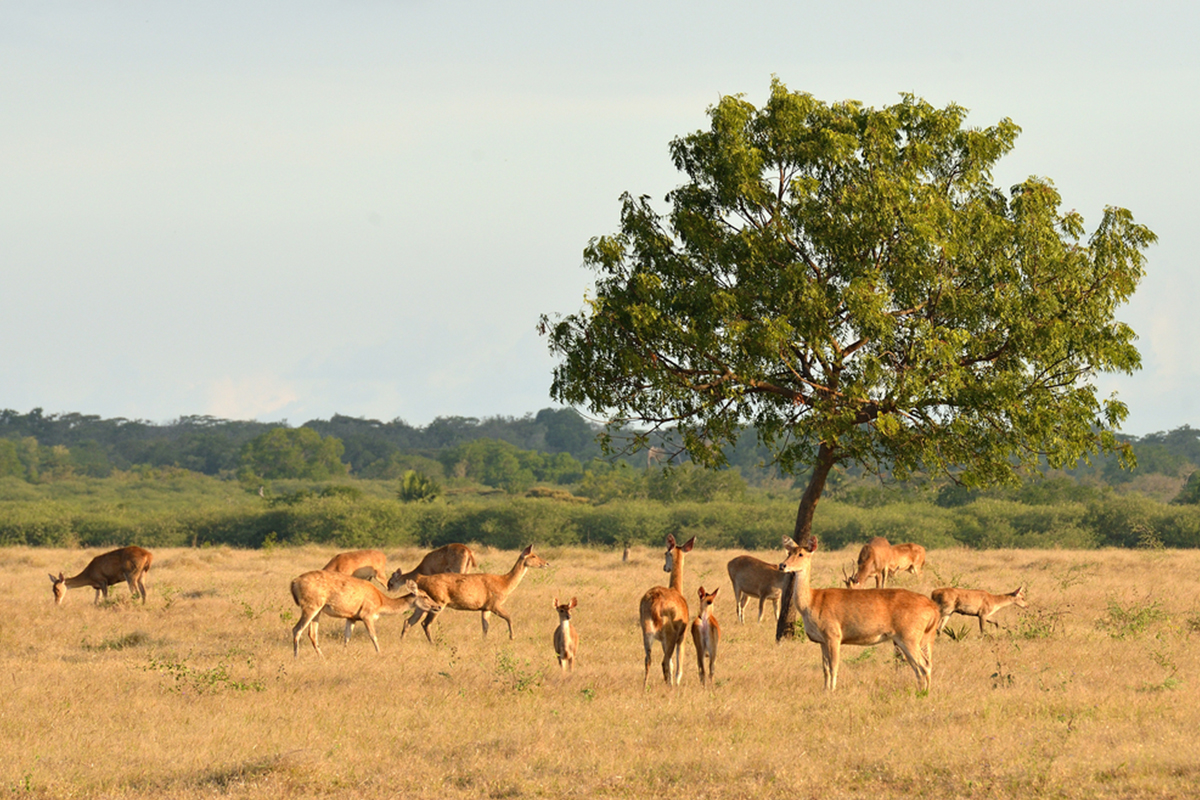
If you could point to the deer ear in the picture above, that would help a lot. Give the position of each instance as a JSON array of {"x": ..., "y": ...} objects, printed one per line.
[
  {"x": 527, "y": 551},
  {"x": 812, "y": 544},
  {"x": 53, "y": 579},
  {"x": 687, "y": 548},
  {"x": 573, "y": 603},
  {"x": 411, "y": 586},
  {"x": 714, "y": 592},
  {"x": 670, "y": 540},
  {"x": 701, "y": 592},
  {"x": 789, "y": 543}
]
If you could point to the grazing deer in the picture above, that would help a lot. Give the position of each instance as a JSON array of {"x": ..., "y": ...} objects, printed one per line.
[
  {"x": 975, "y": 603},
  {"x": 349, "y": 598},
  {"x": 566, "y": 638},
  {"x": 753, "y": 577},
  {"x": 129, "y": 564},
  {"x": 833, "y": 617},
  {"x": 449, "y": 558},
  {"x": 365, "y": 564},
  {"x": 664, "y": 615},
  {"x": 476, "y": 592},
  {"x": 881, "y": 560},
  {"x": 706, "y": 633}
]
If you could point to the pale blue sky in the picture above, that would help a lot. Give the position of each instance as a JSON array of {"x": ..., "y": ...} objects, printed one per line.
[{"x": 290, "y": 210}]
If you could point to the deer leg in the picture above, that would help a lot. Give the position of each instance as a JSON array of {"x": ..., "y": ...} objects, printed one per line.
[
  {"x": 830, "y": 653},
  {"x": 739, "y": 600},
  {"x": 411, "y": 620},
  {"x": 297, "y": 630},
  {"x": 762, "y": 602},
  {"x": 680, "y": 634},
  {"x": 647, "y": 642},
  {"x": 141, "y": 584},
  {"x": 369, "y": 624},
  {"x": 483, "y": 616},
  {"x": 429, "y": 618},
  {"x": 668, "y": 663},
  {"x": 502, "y": 614},
  {"x": 349, "y": 631}
]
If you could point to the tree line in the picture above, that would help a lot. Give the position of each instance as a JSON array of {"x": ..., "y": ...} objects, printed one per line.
[{"x": 555, "y": 446}]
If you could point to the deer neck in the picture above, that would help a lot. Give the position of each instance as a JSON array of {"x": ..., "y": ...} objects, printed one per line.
[
  {"x": 514, "y": 576},
  {"x": 77, "y": 581},
  {"x": 803, "y": 588},
  {"x": 677, "y": 571}
]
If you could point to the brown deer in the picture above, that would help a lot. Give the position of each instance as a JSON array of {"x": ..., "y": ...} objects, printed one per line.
[
  {"x": 129, "y": 564},
  {"x": 753, "y": 577},
  {"x": 365, "y": 564},
  {"x": 975, "y": 603},
  {"x": 833, "y": 617},
  {"x": 664, "y": 615},
  {"x": 448, "y": 558},
  {"x": 706, "y": 633},
  {"x": 566, "y": 638},
  {"x": 476, "y": 592},
  {"x": 349, "y": 598},
  {"x": 881, "y": 560}
]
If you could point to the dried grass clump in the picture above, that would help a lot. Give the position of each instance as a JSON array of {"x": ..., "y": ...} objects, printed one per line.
[{"x": 1092, "y": 692}]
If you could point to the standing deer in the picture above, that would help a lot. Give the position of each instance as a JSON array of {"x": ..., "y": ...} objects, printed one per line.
[
  {"x": 664, "y": 615},
  {"x": 448, "y": 558},
  {"x": 975, "y": 603},
  {"x": 833, "y": 617},
  {"x": 881, "y": 560},
  {"x": 706, "y": 633},
  {"x": 129, "y": 564},
  {"x": 349, "y": 598},
  {"x": 566, "y": 638},
  {"x": 753, "y": 577},
  {"x": 477, "y": 592},
  {"x": 365, "y": 564}
]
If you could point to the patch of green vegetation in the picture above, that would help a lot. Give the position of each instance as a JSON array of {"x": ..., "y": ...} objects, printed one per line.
[{"x": 1126, "y": 621}]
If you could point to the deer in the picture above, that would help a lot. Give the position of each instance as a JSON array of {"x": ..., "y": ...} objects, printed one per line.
[
  {"x": 663, "y": 614},
  {"x": 975, "y": 603},
  {"x": 834, "y": 617},
  {"x": 349, "y": 598},
  {"x": 129, "y": 564},
  {"x": 475, "y": 592},
  {"x": 881, "y": 560},
  {"x": 448, "y": 558},
  {"x": 365, "y": 564},
  {"x": 753, "y": 577},
  {"x": 566, "y": 638},
  {"x": 706, "y": 633}
]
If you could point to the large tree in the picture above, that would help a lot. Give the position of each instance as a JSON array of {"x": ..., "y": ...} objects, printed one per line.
[{"x": 849, "y": 282}]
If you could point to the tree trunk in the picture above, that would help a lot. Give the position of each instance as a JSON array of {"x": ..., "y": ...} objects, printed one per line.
[{"x": 788, "y": 614}]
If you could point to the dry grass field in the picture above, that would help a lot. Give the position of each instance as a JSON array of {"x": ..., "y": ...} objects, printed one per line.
[{"x": 1093, "y": 691}]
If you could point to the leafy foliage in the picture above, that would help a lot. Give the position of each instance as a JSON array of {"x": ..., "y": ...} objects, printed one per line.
[
  {"x": 849, "y": 281},
  {"x": 417, "y": 487},
  {"x": 293, "y": 453}
]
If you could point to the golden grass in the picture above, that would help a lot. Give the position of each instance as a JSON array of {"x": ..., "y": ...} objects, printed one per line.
[{"x": 1094, "y": 691}]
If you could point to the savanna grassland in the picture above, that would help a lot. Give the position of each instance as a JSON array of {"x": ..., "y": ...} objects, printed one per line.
[{"x": 1093, "y": 691}]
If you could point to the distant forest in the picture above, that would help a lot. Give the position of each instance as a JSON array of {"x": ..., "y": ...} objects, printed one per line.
[{"x": 39, "y": 446}]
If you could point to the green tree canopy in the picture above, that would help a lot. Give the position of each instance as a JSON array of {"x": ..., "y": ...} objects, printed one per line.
[
  {"x": 848, "y": 281},
  {"x": 293, "y": 453}
]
